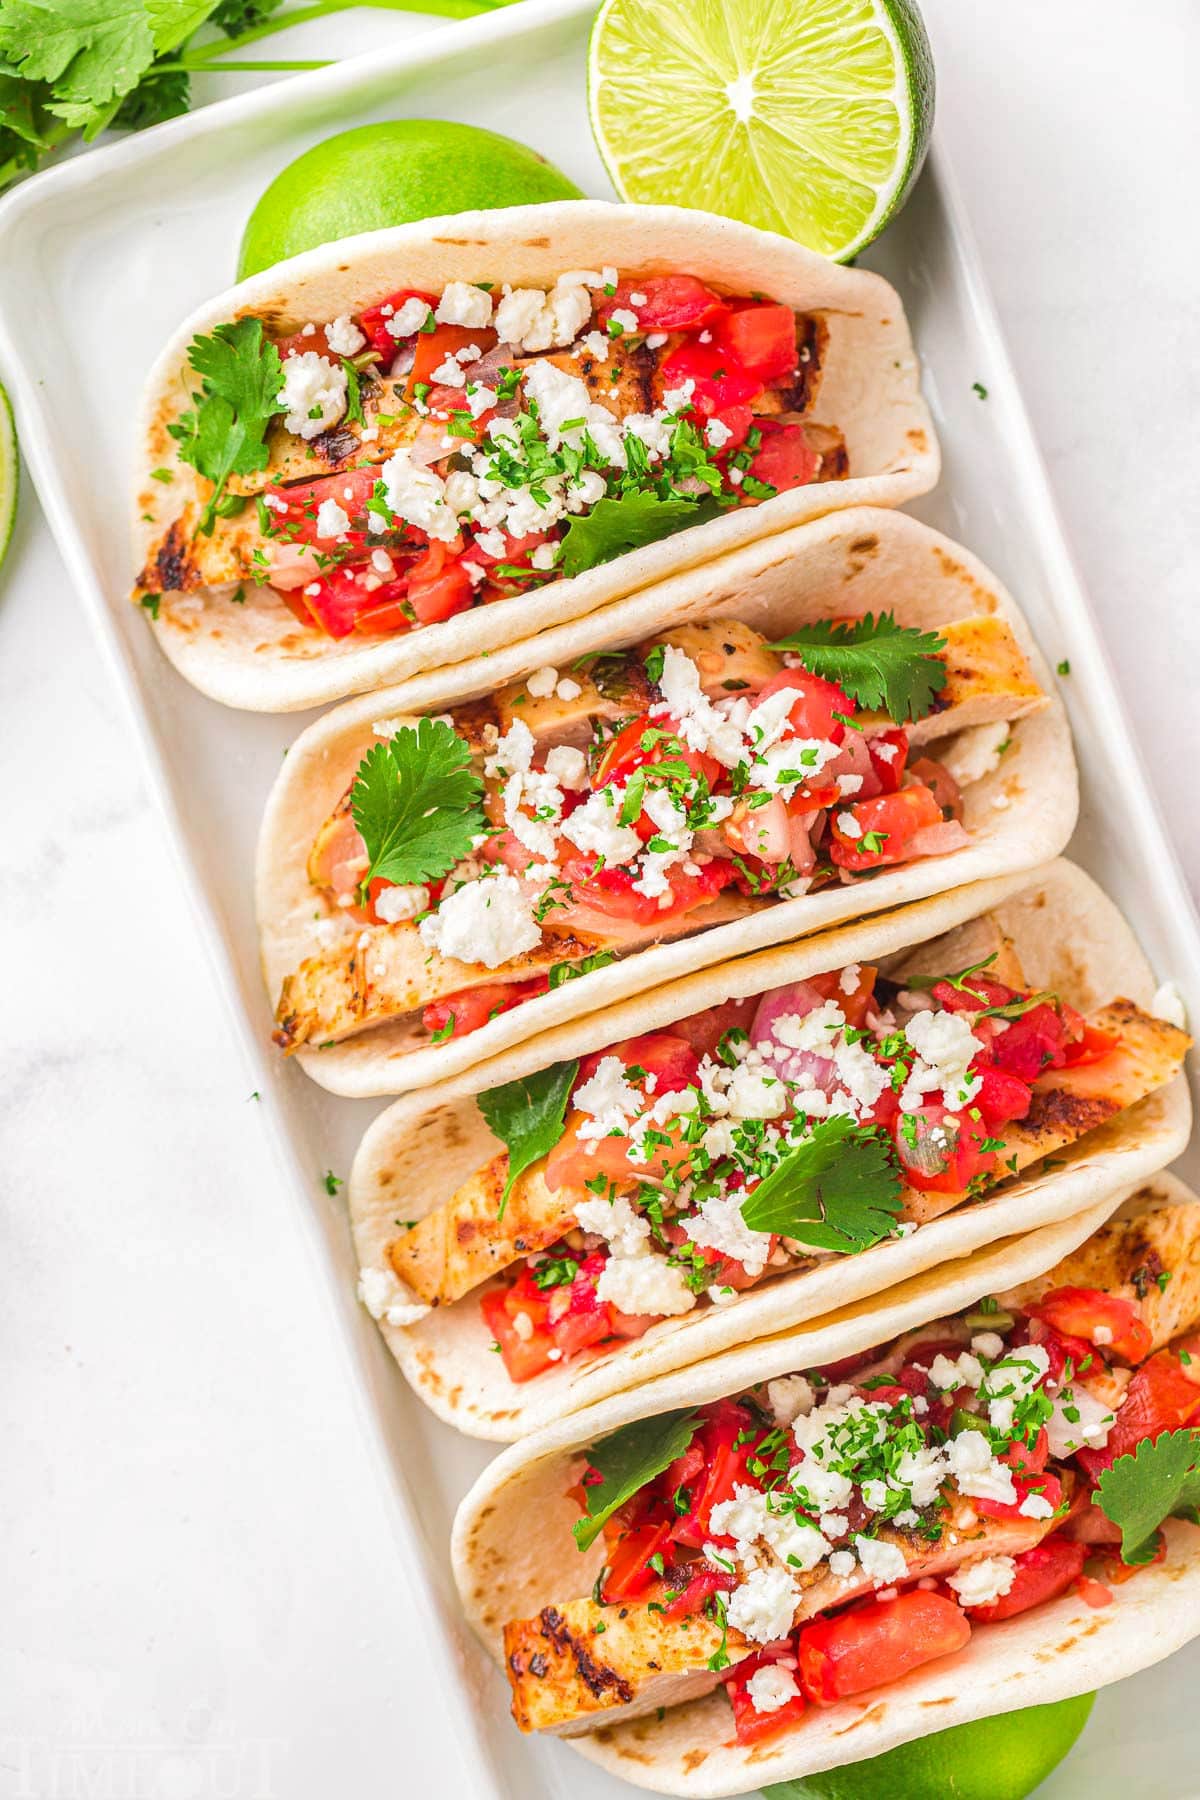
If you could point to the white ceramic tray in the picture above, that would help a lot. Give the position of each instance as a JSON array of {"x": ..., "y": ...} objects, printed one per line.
[{"x": 99, "y": 261}]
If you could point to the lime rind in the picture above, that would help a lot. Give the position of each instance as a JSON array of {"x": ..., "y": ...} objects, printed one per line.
[
  {"x": 810, "y": 118},
  {"x": 9, "y": 473}
]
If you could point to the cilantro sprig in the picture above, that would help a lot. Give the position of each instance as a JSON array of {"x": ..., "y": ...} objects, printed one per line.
[
  {"x": 527, "y": 1116},
  {"x": 82, "y": 66},
  {"x": 622, "y": 522},
  {"x": 626, "y": 1461},
  {"x": 416, "y": 802},
  {"x": 883, "y": 665},
  {"x": 224, "y": 432},
  {"x": 839, "y": 1189},
  {"x": 1159, "y": 1480}
]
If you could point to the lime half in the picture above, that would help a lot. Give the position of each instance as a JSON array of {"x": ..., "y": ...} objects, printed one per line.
[
  {"x": 9, "y": 465},
  {"x": 1001, "y": 1758},
  {"x": 807, "y": 117}
]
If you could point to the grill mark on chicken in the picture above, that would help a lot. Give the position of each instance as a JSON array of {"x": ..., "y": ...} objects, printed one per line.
[
  {"x": 597, "y": 1677},
  {"x": 173, "y": 570}
]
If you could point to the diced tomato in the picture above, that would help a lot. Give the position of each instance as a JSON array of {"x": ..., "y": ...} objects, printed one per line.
[
  {"x": 301, "y": 500},
  {"x": 296, "y": 343},
  {"x": 939, "y": 1151},
  {"x": 877, "y": 1642},
  {"x": 1033, "y": 1043},
  {"x": 430, "y": 350},
  {"x": 1043, "y": 1573},
  {"x": 889, "y": 821},
  {"x": 629, "y": 1570},
  {"x": 818, "y": 702},
  {"x": 888, "y": 769},
  {"x": 1047, "y": 1487},
  {"x": 718, "y": 382},
  {"x": 442, "y": 596},
  {"x": 515, "y": 554},
  {"x": 1161, "y": 1397},
  {"x": 749, "y": 1725},
  {"x": 610, "y": 893},
  {"x": 761, "y": 339},
  {"x": 1002, "y": 1098},
  {"x": 644, "y": 741},
  {"x": 941, "y": 784},
  {"x": 724, "y": 1469},
  {"x": 785, "y": 458},
  {"x": 706, "y": 1581},
  {"x": 374, "y": 320},
  {"x": 337, "y": 599},
  {"x": 470, "y": 1008},
  {"x": 523, "y": 1357},
  {"x": 1094, "y": 1593},
  {"x": 668, "y": 303},
  {"x": 1105, "y": 1320},
  {"x": 1092, "y": 1046},
  {"x": 704, "y": 1030},
  {"x": 668, "y": 1056},
  {"x": 738, "y": 422}
]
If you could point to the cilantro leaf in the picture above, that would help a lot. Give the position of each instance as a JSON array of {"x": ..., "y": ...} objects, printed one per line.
[
  {"x": 629, "y": 1459},
  {"x": 625, "y": 522},
  {"x": 155, "y": 98},
  {"x": 416, "y": 802},
  {"x": 1160, "y": 1480},
  {"x": 527, "y": 1115},
  {"x": 838, "y": 1190},
  {"x": 93, "y": 51},
  {"x": 225, "y": 431},
  {"x": 883, "y": 665}
]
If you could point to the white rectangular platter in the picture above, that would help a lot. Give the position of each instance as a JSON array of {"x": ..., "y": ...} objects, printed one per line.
[{"x": 100, "y": 260}]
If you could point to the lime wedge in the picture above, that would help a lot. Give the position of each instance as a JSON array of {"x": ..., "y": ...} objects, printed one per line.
[
  {"x": 806, "y": 117},
  {"x": 9, "y": 464}
]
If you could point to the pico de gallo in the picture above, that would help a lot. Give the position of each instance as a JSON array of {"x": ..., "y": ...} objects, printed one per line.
[
  {"x": 683, "y": 1167},
  {"x": 642, "y": 795},
  {"x": 437, "y": 451},
  {"x": 824, "y": 1534}
]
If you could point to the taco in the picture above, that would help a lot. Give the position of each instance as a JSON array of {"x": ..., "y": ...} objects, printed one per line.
[
  {"x": 410, "y": 447},
  {"x": 831, "y": 722},
  {"x": 761, "y": 1143},
  {"x": 960, "y": 1499}
]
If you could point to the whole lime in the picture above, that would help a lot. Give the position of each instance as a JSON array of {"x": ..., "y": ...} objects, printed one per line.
[
  {"x": 1001, "y": 1758},
  {"x": 392, "y": 174}
]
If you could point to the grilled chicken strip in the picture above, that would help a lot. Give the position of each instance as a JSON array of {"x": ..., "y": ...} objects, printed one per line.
[
  {"x": 581, "y": 1659},
  {"x": 1126, "y": 1258},
  {"x": 460, "y": 1245}
]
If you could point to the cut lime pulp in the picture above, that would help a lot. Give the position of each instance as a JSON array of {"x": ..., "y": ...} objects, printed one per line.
[
  {"x": 9, "y": 465},
  {"x": 810, "y": 118}
]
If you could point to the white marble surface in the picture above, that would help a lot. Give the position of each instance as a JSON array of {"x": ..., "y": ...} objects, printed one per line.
[{"x": 158, "y": 1412}]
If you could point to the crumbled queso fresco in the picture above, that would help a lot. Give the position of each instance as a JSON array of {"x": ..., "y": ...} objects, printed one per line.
[
  {"x": 747, "y": 1108},
  {"x": 881, "y": 1458},
  {"x": 494, "y": 915},
  {"x": 529, "y": 320}
]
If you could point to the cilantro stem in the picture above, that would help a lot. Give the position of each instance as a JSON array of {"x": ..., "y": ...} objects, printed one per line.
[{"x": 205, "y": 57}]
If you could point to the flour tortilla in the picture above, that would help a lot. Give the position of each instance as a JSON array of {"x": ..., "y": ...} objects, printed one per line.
[
  {"x": 513, "y": 1553},
  {"x": 255, "y": 655},
  {"x": 1068, "y": 936},
  {"x": 854, "y": 562}
]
